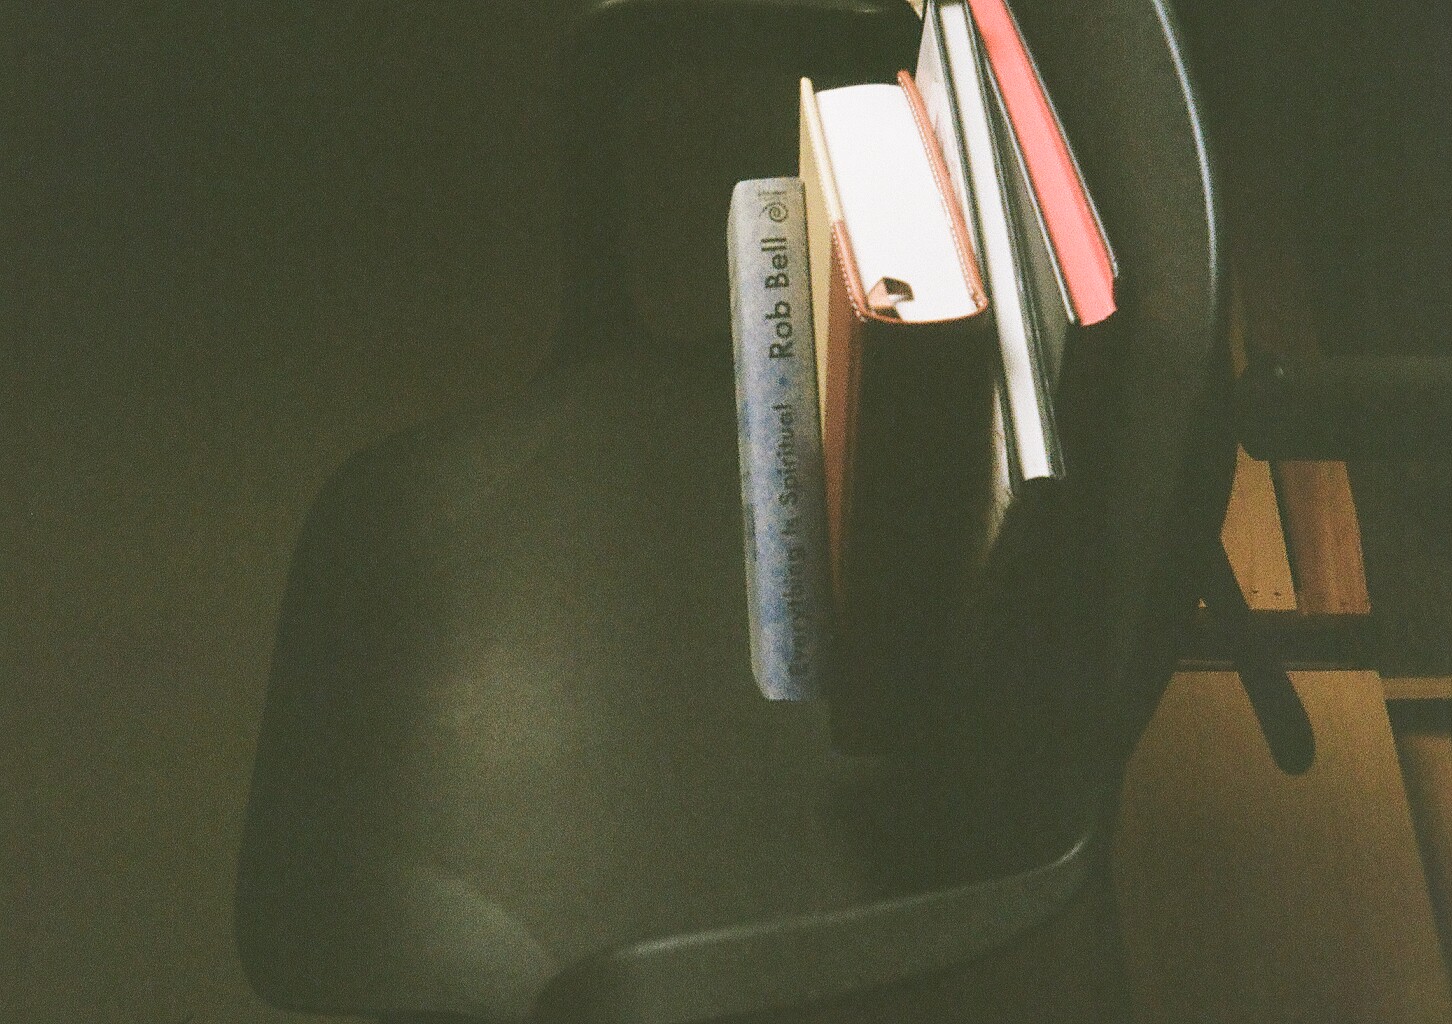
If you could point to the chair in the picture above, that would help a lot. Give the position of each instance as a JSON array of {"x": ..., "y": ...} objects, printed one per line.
[{"x": 512, "y": 766}]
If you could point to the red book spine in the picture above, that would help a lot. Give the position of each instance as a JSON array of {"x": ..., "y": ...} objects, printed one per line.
[{"x": 1073, "y": 229}]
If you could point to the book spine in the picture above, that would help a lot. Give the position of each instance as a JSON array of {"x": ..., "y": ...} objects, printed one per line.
[
  {"x": 951, "y": 59},
  {"x": 779, "y": 437}
]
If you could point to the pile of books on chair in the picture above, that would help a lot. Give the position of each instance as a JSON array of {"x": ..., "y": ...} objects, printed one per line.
[{"x": 907, "y": 313}]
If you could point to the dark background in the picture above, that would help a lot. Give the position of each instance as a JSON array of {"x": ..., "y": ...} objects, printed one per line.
[{"x": 241, "y": 241}]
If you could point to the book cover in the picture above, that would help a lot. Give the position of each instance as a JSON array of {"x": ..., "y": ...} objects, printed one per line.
[
  {"x": 1063, "y": 208},
  {"x": 778, "y": 438},
  {"x": 953, "y": 79},
  {"x": 907, "y": 367}
]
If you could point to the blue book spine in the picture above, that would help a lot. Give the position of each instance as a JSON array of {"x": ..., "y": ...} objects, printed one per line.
[{"x": 779, "y": 439}]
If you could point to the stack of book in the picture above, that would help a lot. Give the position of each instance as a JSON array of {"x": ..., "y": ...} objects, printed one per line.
[{"x": 902, "y": 311}]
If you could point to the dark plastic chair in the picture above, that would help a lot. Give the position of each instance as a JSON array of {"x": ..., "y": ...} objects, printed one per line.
[{"x": 513, "y": 766}]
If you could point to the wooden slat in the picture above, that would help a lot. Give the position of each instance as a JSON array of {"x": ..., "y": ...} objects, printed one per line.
[
  {"x": 1249, "y": 895},
  {"x": 1323, "y": 537},
  {"x": 1417, "y": 687},
  {"x": 1253, "y": 539}
]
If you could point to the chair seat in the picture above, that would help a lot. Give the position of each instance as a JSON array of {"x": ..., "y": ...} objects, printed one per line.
[{"x": 513, "y": 718}]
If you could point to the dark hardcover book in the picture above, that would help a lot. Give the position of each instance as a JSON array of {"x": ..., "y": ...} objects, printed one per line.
[{"x": 906, "y": 370}]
